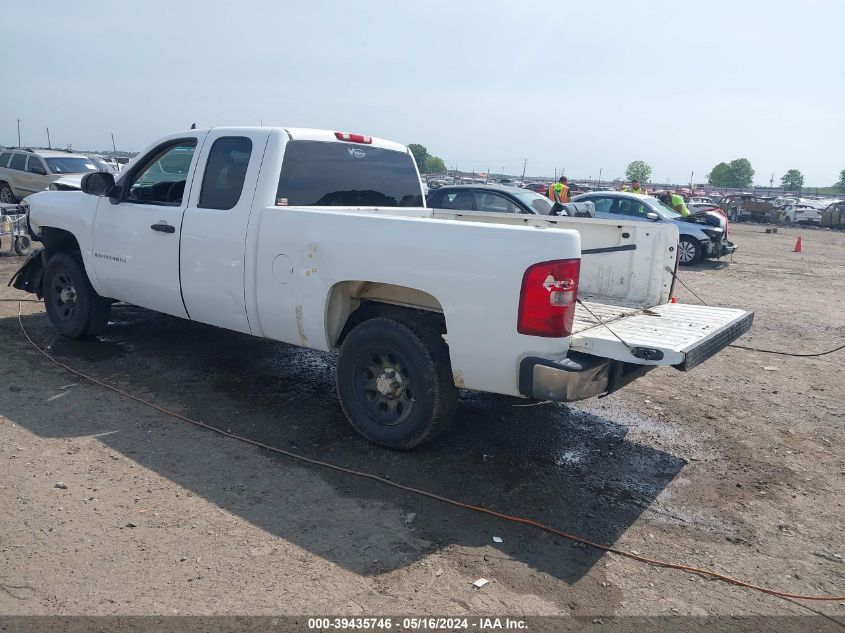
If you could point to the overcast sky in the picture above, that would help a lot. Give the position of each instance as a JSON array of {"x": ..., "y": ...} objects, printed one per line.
[{"x": 576, "y": 85}]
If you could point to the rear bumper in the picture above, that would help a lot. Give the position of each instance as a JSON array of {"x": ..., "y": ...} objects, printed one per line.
[{"x": 577, "y": 377}]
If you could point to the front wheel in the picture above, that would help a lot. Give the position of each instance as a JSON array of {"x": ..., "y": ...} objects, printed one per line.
[
  {"x": 74, "y": 307},
  {"x": 689, "y": 251},
  {"x": 395, "y": 382}
]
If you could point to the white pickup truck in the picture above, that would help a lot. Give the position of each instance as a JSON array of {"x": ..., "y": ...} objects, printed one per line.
[{"x": 321, "y": 239}]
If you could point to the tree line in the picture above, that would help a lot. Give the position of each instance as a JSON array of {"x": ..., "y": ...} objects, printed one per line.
[{"x": 738, "y": 174}]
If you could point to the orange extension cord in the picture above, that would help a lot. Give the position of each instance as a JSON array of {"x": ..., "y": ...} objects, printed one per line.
[{"x": 706, "y": 573}]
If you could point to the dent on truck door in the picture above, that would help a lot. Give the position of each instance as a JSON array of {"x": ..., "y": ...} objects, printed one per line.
[{"x": 136, "y": 236}]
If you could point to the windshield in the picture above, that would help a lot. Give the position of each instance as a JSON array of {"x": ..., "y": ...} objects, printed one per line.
[
  {"x": 662, "y": 208},
  {"x": 540, "y": 204},
  {"x": 70, "y": 165},
  {"x": 316, "y": 173}
]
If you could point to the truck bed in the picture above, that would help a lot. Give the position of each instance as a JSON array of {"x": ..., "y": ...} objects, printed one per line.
[{"x": 607, "y": 311}]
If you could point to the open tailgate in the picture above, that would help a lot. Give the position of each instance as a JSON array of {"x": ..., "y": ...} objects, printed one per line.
[{"x": 685, "y": 335}]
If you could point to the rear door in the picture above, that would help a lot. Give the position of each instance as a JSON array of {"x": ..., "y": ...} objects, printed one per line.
[
  {"x": 136, "y": 233},
  {"x": 215, "y": 225}
]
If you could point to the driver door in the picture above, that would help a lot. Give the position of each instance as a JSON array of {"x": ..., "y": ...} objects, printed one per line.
[{"x": 137, "y": 231}]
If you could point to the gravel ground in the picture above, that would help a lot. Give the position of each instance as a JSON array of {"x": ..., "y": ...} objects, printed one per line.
[{"x": 110, "y": 507}]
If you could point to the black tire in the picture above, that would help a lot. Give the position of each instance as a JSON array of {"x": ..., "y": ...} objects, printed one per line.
[
  {"x": 689, "y": 251},
  {"x": 23, "y": 245},
  {"x": 394, "y": 380},
  {"x": 74, "y": 308},
  {"x": 6, "y": 194}
]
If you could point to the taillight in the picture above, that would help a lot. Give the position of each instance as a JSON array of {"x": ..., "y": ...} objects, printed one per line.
[
  {"x": 547, "y": 298},
  {"x": 353, "y": 138}
]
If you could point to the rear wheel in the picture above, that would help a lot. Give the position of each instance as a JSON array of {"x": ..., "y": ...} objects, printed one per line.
[
  {"x": 689, "y": 251},
  {"x": 395, "y": 382},
  {"x": 72, "y": 304}
]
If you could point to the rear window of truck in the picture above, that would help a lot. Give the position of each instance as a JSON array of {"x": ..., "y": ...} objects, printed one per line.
[{"x": 316, "y": 173}]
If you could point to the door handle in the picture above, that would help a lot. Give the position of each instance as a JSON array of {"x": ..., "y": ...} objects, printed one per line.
[{"x": 164, "y": 227}]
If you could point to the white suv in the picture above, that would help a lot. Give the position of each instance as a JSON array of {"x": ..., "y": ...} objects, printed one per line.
[{"x": 24, "y": 171}]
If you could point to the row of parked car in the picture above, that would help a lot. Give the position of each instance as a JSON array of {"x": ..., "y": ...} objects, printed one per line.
[{"x": 703, "y": 234}]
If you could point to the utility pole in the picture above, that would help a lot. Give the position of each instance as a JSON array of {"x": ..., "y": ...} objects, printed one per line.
[
  {"x": 113, "y": 146},
  {"x": 524, "y": 163},
  {"x": 691, "y": 174},
  {"x": 19, "y": 132},
  {"x": 49, "y": 146},
  {"x": 600, "y": 176}
]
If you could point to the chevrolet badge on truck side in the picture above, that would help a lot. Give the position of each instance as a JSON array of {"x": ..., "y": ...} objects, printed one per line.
[{"x": 321, "y": 239}]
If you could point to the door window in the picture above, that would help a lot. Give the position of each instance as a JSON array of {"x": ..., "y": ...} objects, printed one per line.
[
  {"x": 35, "y": 166},
  {"x": 495, "y": 203},
  {"x": 18, "y": 162},
  {"x": 603, "y": 205},
  {"x": 459, "y": 201},
  {"x": 161, "y": 179},
  {"x": 4, "y": 158},
  {"x": 630, "y": 207},
  {"x": 225, "y": 172}
]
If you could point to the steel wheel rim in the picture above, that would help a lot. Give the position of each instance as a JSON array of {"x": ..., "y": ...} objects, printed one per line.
[
  {"x": 383, "y": 384},
  {"x": 64, "y": 296},
  {"x": 687, "y": 250}
]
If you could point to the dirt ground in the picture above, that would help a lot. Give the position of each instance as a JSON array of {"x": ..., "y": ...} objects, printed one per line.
[{"x": 736, "y": 466}]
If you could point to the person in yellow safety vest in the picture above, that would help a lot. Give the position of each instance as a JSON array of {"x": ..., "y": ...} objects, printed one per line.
[
  {"x": 559, "y": 191},
  {"x": 676, "y": 202},
  {"x": 679, "y": 204},
  {"x": 636, "y": 188}
]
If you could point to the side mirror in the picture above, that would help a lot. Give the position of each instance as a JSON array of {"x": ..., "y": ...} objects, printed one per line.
[
  {"x": 651, "y": 215},
  {"x": 98, "y": 183}
]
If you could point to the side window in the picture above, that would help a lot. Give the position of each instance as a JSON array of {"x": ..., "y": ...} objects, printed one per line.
[
  {"x": 161, "y": 178},
  {"x": 35, "y": 166},
  {"x": 459, "y": 201},
  {"x": 4, "y": 158},
  {"x": 602, "y": 204},
  {"x": 495, "y": 203},
  {"x": 631, "y": 207},
  {"x": 225, "y": 172},
  {"x": 18, "y": 162}
]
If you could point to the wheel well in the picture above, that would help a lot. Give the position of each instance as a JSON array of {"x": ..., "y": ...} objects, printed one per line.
[
  {"x": 58, "y": 240},
  {"x": 353, "y": 302}
]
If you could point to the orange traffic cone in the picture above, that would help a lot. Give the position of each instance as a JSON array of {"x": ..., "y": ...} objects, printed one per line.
[{"x": 797, "y": 248}]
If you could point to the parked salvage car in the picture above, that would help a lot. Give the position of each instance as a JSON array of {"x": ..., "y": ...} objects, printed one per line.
[
  {"x": 699, "y": 239},
  {"x": 750, "y": 207},
  {"x": 833, "y": 216},
  {"x": 537, "y": 187},
  {"x": 24, "y": 171},
  {"x": 491, "y": 198}
]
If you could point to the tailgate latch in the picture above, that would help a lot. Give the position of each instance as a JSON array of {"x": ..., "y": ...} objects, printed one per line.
[{"x": 646, "y": 353}]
